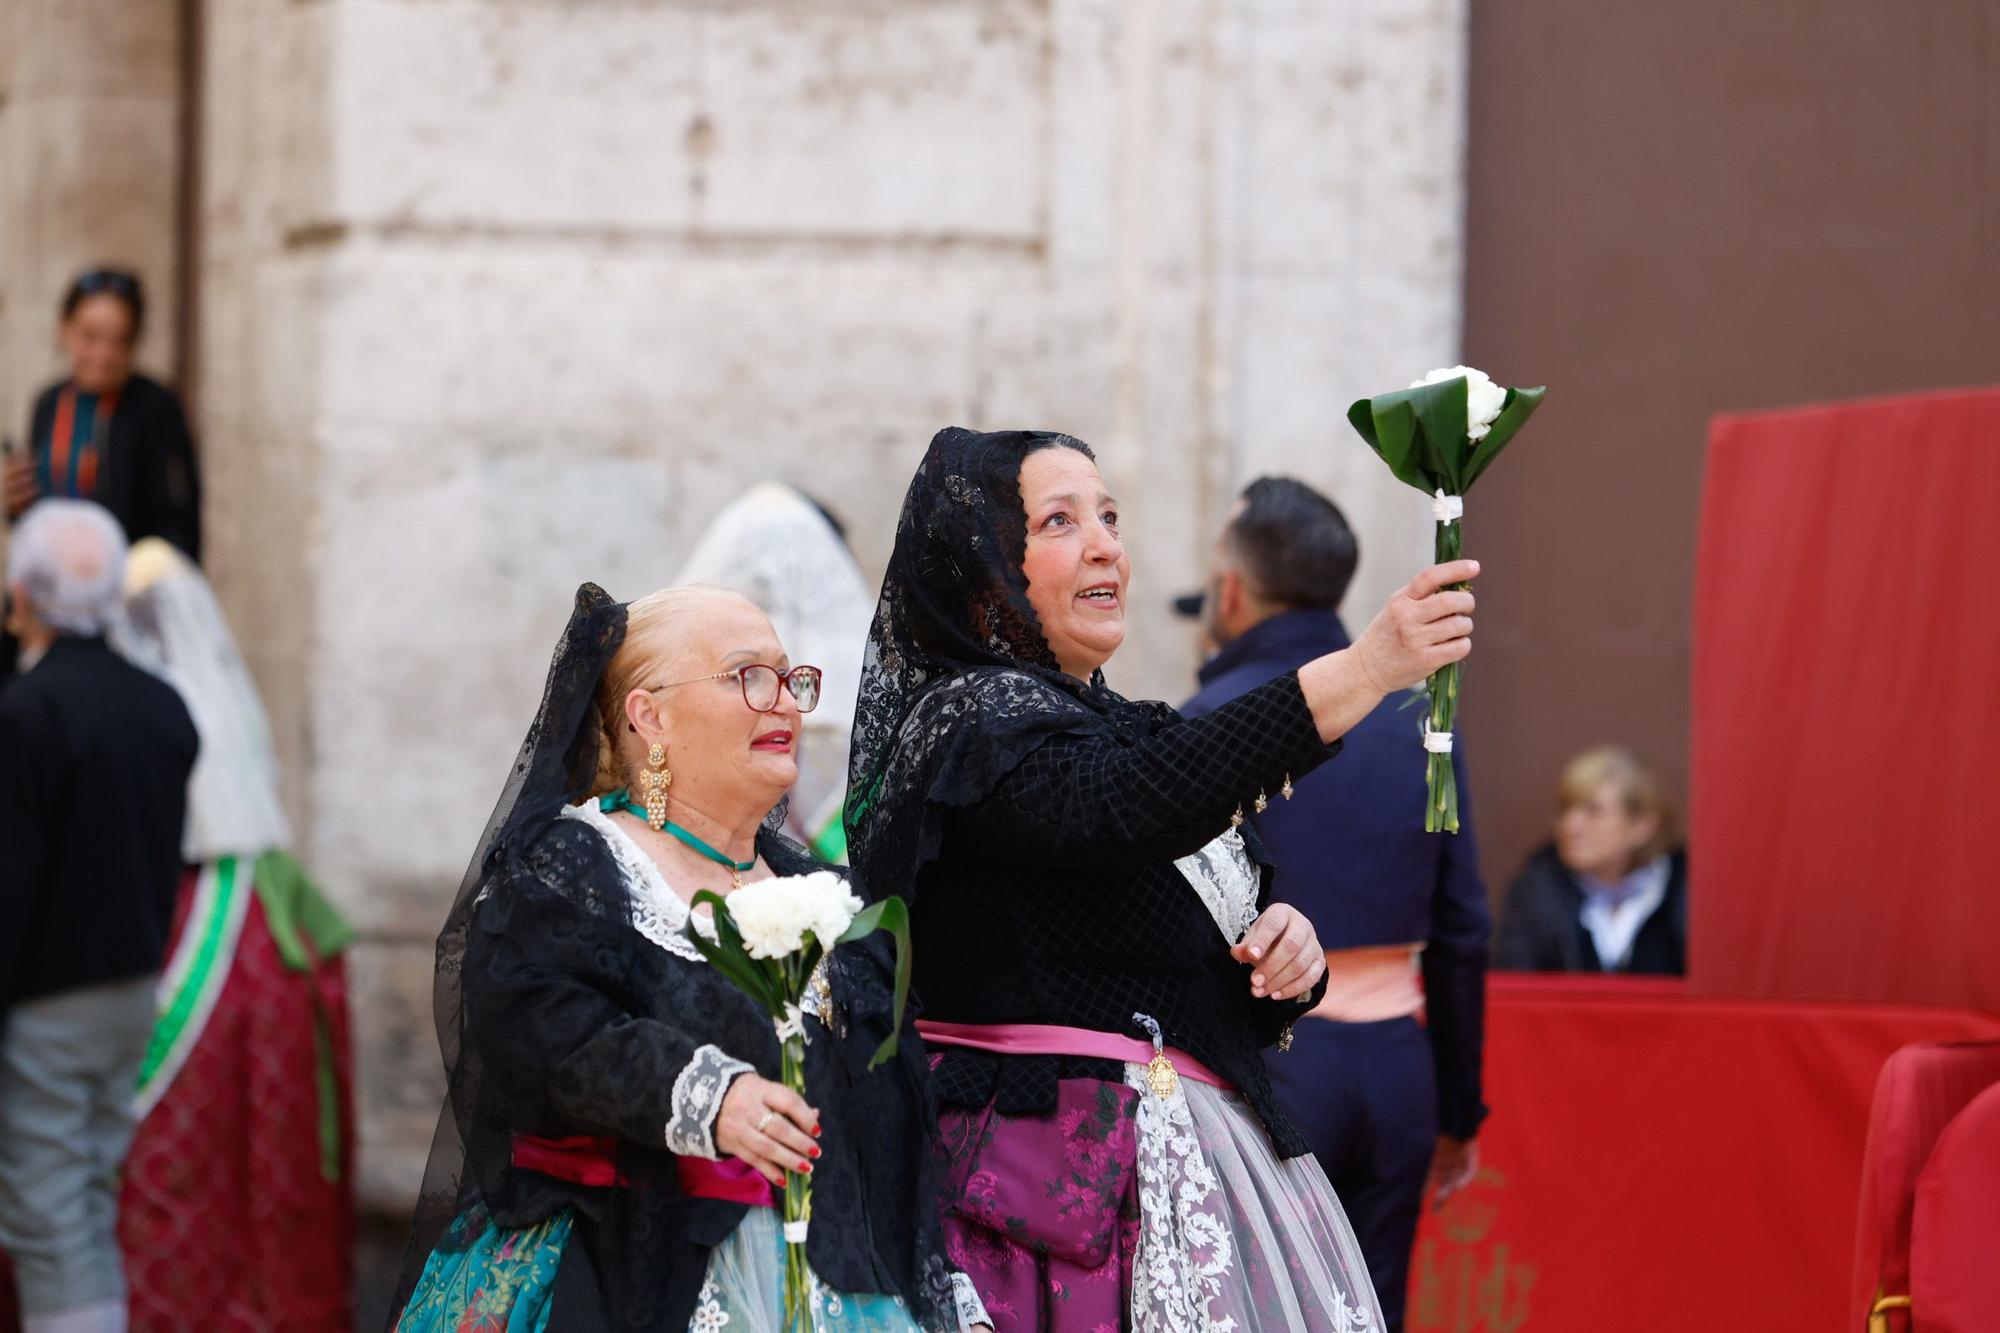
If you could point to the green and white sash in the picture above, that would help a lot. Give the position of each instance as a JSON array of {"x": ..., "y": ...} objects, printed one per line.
[{"x": 195, "y": 975}]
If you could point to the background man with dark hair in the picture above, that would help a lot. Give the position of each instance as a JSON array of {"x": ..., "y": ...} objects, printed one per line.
[{"x": 1386, "y": 1102}]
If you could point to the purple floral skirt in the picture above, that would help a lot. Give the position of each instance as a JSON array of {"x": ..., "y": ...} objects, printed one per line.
[{"x": 1123, "y": 1210}]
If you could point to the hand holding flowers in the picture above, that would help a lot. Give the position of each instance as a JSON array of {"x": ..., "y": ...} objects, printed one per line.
[
  {"x": 770, "y": 939},
  {"x": 1439, "y": 435}
]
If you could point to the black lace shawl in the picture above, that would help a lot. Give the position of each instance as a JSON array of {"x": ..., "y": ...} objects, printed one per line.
[
  {"x": 557, "y": 1018},
  {"x": 959, "y": 683},
  {"x": 1032, "y": 819}
]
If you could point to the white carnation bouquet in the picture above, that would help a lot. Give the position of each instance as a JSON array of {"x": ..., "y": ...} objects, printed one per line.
[
  {"x": 1438, "y": 435},
  {"x": 770, "y": 939}
]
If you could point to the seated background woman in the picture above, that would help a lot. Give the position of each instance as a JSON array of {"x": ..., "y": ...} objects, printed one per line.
[
  {"x": 1607, "y": 895},
  {"x": 1094, "y": 947},
  {"x": 615, "y": 1123}
]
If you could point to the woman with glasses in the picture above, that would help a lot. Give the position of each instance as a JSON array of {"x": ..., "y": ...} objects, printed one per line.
[
  {"x": 1096, "y": 950},
  {"x": 616, "y": 1123},
  {"x": 106, "y": 433}
]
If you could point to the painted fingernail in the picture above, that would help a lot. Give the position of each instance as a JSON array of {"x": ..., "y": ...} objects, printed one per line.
[
  {"x": 814, "y": 1153},
  {"x": 806, "y": 1168},
  {"x": 815, "y": 1131}
]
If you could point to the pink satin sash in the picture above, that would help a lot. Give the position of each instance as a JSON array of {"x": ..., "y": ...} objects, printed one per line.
[{"x": 1050, "y": 1039}]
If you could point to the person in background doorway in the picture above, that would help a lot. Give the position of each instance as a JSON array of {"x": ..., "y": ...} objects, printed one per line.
[
  {"x": 105, "y": 432},
  {"x": 94, "y": 762},
  {"x": 1386, "y": 1103},
  {"x": 1610, "y": 893}
]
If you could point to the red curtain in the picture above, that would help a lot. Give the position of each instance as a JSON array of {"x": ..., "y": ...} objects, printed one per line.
[
  {"x": 1845, "y": 778},
  {"x": 1658, "y": 1162}
]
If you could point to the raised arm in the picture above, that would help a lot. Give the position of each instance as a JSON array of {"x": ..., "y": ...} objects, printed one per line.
[{"x": 1095, "y": 800}]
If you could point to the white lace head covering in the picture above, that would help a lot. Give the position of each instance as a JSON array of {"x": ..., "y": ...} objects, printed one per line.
[
  {"x": 775, "y": 547},
  {"x": 174, "y": 628}
]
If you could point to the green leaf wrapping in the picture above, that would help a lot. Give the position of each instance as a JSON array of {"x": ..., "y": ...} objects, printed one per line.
[
  {"x": 1421, "y": 433},
  {"x": 1521, "y": 404},
  {"x": 892, "y": 915}
]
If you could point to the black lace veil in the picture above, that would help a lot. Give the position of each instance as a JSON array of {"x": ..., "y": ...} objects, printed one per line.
[
  {"x": 556, "y": 766},
  {"x": 959, "y": 683}
]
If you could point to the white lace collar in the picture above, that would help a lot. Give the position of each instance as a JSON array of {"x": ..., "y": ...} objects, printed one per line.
[{"x": 657, "y": 911}]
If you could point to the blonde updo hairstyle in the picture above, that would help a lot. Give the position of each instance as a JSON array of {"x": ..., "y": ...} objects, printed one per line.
[{"x": 658, "y": 629}]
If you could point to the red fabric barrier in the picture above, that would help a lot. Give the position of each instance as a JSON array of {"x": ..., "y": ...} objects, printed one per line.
[
  {"x": 1954, "y": 1281},
  {"x": 1658, "y": 1162},
  {"x": 1921, "y": 1090},
  {"x": 1844, "y": 785}
]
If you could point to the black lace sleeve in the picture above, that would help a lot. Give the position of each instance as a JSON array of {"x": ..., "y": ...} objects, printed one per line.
[
  {"x": 548, "y": 1017},
  {"x": 1098, "y": 800}
]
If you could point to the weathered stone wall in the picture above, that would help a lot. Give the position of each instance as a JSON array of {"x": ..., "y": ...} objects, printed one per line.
[
  {"x": 90, "y": 101},
  {"x": 499, "y": 295}
]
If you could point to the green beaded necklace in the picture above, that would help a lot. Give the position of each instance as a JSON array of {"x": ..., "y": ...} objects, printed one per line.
[{"x": 622, "y": 800}]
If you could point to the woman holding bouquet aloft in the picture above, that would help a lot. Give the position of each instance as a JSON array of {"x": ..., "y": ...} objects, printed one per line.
[
  {"x": 615, "y": 1121},
  {"x": 1096, "y": 954}
]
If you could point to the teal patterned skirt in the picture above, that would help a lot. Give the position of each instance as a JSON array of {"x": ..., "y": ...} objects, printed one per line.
[{"x": 482, "y": 1279}]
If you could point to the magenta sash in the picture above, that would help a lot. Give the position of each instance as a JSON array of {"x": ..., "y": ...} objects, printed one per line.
[
  {"x": 730, "y": 1179},
  {"x": 1050, "y": 1039},
  {"x": 583, "y": 1160}
]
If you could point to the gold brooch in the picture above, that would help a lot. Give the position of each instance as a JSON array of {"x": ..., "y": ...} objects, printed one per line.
[{"x": 1162, "y": 1079}]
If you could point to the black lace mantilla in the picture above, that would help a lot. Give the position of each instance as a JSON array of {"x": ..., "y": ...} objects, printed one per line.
[{"x": 1032, "y": 819}]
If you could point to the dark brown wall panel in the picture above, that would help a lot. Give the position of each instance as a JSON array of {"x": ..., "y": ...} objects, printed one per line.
[{"x": 1676, "y": 209}]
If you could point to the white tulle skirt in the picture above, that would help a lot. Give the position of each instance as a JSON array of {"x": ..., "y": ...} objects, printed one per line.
[{"x": 1230, "y": 1236}]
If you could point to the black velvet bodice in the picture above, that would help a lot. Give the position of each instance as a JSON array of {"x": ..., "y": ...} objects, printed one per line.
[{"x": 1055, "y": 899}]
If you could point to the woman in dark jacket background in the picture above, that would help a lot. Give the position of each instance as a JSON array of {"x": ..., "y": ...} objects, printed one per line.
[
  {"x": 1609, "y": 894},
  {"x": 105, "y": 432}
]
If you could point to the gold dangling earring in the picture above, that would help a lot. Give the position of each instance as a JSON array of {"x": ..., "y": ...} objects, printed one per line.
[{"x": 654, "y": 783}]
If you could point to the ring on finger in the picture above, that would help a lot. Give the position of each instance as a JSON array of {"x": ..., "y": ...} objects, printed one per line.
[{"x": 768, "y": 1113}]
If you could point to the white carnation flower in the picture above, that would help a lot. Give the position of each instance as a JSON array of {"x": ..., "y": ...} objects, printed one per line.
[
  {"x": 774, "y": 915},
  {"x": 1483, "y": 398}
]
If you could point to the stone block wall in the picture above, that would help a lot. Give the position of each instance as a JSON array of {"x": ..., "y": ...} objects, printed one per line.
[{"x": 498, "y": 295}]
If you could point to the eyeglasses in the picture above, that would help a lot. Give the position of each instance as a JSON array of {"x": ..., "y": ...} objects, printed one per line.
[{"x": 760, "y": 685}]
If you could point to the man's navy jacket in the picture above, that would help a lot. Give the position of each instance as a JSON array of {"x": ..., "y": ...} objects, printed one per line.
[{"x": 1352, "y": 854}]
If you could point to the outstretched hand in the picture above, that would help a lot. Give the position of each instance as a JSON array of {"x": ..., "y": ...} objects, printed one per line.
[
  {"x": 1283, "y": 949},
  {"x": 1424, "y": 626}
]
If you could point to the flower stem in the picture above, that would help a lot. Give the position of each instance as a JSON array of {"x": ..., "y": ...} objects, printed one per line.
[{"x": 1441, "y": 805}]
